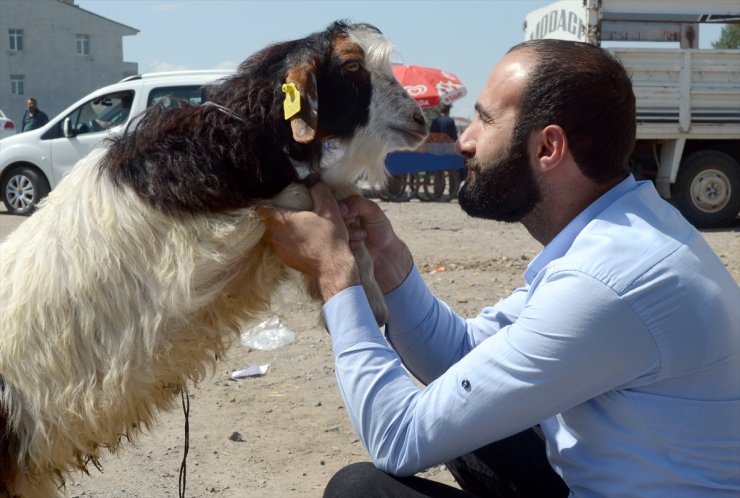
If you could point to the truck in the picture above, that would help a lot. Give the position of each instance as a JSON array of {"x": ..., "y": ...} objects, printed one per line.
[{"x": 687, "y": 99}]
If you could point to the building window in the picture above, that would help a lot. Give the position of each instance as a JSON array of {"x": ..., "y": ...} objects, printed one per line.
[
  {"x": 83, "y": 44},
  {"x": 16, "y": 39},
  {"x": 16, "y": 84}
]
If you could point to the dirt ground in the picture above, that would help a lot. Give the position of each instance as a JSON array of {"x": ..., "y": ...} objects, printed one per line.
[{"x": 286, "y": 433}]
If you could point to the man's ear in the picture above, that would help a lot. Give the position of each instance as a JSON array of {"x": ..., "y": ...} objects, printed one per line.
[{"x": 551, "y": 147}]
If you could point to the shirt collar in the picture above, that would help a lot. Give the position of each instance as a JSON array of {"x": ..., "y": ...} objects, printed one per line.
[{"x": 562, "y": 241}]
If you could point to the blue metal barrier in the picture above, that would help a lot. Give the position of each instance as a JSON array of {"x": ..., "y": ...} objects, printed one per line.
[{"x": 416, "y": 162}]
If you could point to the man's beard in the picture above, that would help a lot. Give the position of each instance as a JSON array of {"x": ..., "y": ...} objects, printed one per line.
[{"x": 503, "y": 189}]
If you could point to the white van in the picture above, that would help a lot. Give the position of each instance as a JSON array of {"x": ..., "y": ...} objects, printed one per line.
[{"x": 33, "y": 163}]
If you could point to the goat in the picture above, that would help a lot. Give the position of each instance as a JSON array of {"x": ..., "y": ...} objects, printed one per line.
[{"x": 136, "y": 273}]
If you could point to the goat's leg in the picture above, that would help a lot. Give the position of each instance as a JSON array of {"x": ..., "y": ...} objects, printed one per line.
[
  {"x": 296, "y": 196},
  {"x": 369, "y": 284},
  {"x": 366, "y": 267}
]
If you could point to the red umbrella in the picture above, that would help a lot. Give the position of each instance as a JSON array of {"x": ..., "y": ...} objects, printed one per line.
[{"x": 429, "y": 86}]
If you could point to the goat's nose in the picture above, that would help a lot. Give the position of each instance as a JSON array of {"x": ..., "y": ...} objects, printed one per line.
[{"x": 419, "y": 118}]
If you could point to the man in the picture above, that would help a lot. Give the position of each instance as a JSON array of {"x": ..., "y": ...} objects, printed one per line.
[
  {"x": 444, "y": 123},
  {"x": 622, "y": 350},
  {"x": 33, "y": 118}
]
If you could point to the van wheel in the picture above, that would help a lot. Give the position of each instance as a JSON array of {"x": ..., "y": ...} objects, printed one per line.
[
  {"x": 22, "y": 189},
  {"x": 707, "y": 190}
]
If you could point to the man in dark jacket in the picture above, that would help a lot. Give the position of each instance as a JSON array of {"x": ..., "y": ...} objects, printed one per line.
[
  {"x": 33, "y": 118},
  {"x": 444, "y": 123}
]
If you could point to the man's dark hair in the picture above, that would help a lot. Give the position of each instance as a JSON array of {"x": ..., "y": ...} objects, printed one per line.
[{"x": 586, "y": 91}]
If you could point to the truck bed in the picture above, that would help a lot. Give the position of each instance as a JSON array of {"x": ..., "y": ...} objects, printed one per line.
[{"x": 684, "y": 90}]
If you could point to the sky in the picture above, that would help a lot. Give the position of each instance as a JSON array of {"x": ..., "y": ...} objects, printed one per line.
[{"x": 464, "y": 37}]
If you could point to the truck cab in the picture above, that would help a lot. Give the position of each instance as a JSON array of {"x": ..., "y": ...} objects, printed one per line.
[{"x": 688, "y": 99}]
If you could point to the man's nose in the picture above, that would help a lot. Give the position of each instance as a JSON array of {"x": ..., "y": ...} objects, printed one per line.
[{"x": 465, "y": 144}]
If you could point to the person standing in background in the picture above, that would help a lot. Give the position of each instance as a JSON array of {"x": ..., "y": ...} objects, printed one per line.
[
  {"x": 33, "y": 118},
  {"x": 444, "y": 123}
]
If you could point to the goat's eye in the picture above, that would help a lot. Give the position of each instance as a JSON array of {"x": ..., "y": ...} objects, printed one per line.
[{"x": 352, "y": 66}]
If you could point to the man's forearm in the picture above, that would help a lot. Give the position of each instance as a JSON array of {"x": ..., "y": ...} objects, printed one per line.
[{"x": 344, "y": 275}]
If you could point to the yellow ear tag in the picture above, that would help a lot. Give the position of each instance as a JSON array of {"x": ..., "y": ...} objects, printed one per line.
[{"x": 292, "y": 102}]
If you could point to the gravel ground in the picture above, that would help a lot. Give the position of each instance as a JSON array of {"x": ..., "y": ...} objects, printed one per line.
[{"x": 285, "y": 433}]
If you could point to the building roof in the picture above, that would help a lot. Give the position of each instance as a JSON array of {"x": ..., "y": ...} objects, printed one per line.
[{"x": 71, "y": 3}]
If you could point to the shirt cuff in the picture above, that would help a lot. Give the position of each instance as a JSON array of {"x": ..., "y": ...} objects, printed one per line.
[{"x": 350, "y": 319}]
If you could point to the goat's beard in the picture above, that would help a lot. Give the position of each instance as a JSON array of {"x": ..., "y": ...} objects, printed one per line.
[{"x": 502, "y": 189}]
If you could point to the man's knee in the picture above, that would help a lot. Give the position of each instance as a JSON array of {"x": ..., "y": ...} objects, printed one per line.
[
  {"x": 352, "y": 478},
  {"x": 363, "y": 479}
]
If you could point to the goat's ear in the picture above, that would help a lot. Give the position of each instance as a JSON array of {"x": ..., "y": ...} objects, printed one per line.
[{"x": 305, "y": 122}]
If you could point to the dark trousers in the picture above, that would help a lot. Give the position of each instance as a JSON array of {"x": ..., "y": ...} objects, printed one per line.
[{"x": 515, "y": 467}]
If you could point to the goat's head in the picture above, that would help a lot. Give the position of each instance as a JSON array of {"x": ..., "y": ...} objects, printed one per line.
[
  {"x": 394, "y": 120},
  {"x": 245, "y": 147},
  {"x": 346, "y": 93}
]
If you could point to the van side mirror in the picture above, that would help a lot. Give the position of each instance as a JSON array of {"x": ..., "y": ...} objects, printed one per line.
[{"x": 67, "y": 128}]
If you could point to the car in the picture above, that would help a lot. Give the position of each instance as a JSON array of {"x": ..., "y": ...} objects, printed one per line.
[
  {"x": 34, "y": 162},
  {"x": 7, "y": 126}
]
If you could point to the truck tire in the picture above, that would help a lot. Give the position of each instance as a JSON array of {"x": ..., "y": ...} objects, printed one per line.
[
  {"x": 22, "y": 189},
  {"x": 707, "y": 189}
]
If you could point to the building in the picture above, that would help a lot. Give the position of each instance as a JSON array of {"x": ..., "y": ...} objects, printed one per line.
[{"x": 56, "y": 52}]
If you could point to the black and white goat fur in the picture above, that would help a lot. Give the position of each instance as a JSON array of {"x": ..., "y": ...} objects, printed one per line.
[{"x": 138, "y": 270}]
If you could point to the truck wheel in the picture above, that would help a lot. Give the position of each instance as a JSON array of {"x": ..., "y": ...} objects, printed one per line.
[
  {"x": 707, "y": 190},
  {"x": 22, "y": 189}
]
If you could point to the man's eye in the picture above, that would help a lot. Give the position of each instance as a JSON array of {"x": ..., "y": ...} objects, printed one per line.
[{"x": 485, "y": 119}]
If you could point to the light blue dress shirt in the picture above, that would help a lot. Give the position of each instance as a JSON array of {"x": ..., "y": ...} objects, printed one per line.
[{"x": 624, "y": 345}]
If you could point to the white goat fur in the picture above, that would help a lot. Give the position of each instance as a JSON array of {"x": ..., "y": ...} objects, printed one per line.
[{"x": 113, "y": 306}]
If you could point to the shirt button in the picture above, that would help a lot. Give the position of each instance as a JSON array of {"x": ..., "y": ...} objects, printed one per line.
[{"x": 466, "y": 384}]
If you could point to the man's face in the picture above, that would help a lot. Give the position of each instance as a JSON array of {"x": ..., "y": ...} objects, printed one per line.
[
  {"x": 502, "y": 188},
  {"x": 31, "y": 105},
  {"x": 501, "y": 184}
]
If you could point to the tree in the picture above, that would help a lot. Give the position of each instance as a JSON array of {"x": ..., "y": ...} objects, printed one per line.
[{"x": 730, "y": 37}]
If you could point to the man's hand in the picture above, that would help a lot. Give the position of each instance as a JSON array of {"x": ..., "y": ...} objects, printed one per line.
[
  {"x": 368, "y": 225},
  {"x": 315, "y": 243}
]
